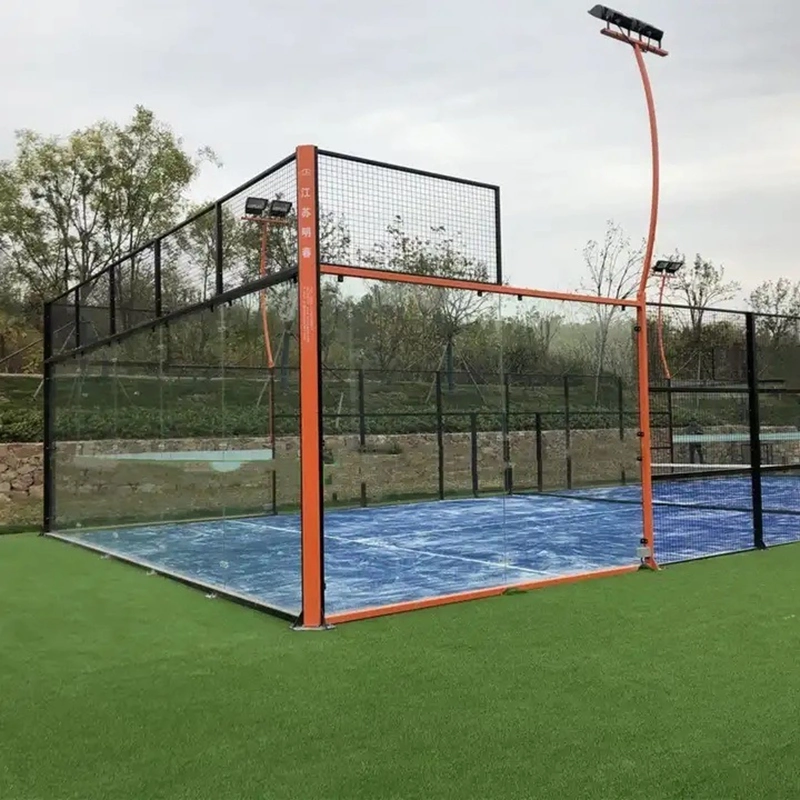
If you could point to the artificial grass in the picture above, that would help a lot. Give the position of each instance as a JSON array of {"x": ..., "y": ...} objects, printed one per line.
[{"x": 681, "y": 684}]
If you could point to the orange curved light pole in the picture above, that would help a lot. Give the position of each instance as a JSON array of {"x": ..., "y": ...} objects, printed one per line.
[
  {"x": 262, "y": 296},
  {"x": 640, "y": 47},
  {"x": 265, "y": 223}
]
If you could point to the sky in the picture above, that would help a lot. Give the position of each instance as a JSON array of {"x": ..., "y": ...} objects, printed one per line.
[{"x": 521, "y": 93}]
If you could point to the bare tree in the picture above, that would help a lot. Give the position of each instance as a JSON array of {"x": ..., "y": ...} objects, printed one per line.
[{"x": 614, "y": 269}]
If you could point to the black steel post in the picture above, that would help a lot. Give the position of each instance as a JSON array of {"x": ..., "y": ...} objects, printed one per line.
[
  {"x": 473, "y": 430},
  {"x": 112, "y": 301},
  {"x": 621, "y": 408},
  {"x": 77, "y": 320},
  {"x": 220, "y": 251},
  {"x": 539, "y": 453},
  {"x": 508, "y": 476},
  {"x": 48, "y": 505},
  {"x": 755, "y": 433},
  {"x": 440, "y": 433},
  {"x": 157, "y": 276},
  {"x": 567, "y": 432},
  {"x": 498, "y": 238},
  {"x": 362, "y": 418}
]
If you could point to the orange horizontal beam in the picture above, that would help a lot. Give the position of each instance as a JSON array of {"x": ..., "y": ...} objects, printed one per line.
[
  {"x": 475, "y": 594},
  {"x": 645, "y": 47},
  {"x": 369, "y": 274}
]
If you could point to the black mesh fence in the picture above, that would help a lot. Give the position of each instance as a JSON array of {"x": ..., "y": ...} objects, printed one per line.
[
  {"x": 216, "y": 250},
  {"x": 725, "y": 432},
  {"x": 386, "y": 217}
]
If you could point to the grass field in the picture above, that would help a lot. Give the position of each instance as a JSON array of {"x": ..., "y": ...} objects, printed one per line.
[{"x": 682, "y": 684}]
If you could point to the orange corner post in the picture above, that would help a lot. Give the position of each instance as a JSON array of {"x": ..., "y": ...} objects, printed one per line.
[{"x": 311, "y": 519}]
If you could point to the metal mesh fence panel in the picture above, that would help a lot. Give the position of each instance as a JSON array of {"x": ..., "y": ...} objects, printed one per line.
[
  {"x": 386, "y": 217},
  {"x": 214, "y": 251},
  {"x": 242, "y": 235},
  {"x": 701, "y": 436},
  {"x": 778, "y": 367}
]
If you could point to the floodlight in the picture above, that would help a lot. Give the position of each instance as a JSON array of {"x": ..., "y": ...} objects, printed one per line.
[
  {"x": 280, "y": 209},
  {"x": 626, "y": 23},
  {"x": 255, "y": 206},
  {"x": 667, "y": 267}
]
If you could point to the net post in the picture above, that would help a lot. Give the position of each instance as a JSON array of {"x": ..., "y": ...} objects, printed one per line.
[
  {"x": 311, "y": 498},
  {"x": 645, "y": 439},
  {"x": 47, "y": 454},
  {"x": 754, "y": 421}
]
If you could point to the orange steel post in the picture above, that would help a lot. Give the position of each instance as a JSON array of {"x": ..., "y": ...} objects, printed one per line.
[
  {"x": 639, "y": 48},
  {"x": 641, "y": 314},
  {"x": 311, "y": 520}
]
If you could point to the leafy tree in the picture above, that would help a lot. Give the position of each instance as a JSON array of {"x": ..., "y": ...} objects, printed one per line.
[
  {"x": 69, "y": 207},
  {"x": 778, "y": 305},
  {"x": 444, "y": 313}
]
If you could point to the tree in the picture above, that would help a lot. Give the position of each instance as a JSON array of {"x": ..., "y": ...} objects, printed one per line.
[
  {"x": 700, "y": 286},
  {"x": 614, "y": 269},
  {"x": 778, "y": 305},
  {"x": 69, "y": 207},
  {"x": 444, "y": 312}
]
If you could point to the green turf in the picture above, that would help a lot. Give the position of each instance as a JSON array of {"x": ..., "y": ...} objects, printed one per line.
[{"x": 683, "y": 684}]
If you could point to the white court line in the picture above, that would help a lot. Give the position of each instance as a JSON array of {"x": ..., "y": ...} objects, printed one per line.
[
  {"x": 381, "y": 545},
  {"x": 431, "y": 554}
]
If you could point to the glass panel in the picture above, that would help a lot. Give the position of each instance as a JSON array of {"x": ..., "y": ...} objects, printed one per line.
[
  {"x": 178, "y": 449},
  {"x": 576, "y": 502},
  {"x": 403, "y": 405},
  {"x": 484, "y": 440}
]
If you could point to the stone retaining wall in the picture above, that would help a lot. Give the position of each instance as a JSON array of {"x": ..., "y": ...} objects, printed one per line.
[{"x": 105, "y": 491}]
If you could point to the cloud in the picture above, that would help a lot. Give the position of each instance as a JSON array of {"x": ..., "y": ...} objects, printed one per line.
[{"x": 517, "y": 93}]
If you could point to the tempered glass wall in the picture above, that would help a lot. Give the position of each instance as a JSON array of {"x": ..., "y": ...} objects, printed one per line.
[
  {"x": 177, "y": 446},
  {"x": 472, "y": 440}
]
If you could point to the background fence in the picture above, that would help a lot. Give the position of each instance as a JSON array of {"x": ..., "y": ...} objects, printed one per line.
[{"x": 730, "y": 455}]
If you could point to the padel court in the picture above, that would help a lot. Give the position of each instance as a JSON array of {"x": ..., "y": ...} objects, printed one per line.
[{"x": 399, "y": 554}]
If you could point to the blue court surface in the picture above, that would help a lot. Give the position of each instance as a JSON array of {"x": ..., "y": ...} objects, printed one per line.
[{"x": 389, "y": 554}]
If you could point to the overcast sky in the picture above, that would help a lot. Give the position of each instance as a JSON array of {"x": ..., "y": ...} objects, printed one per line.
[{"x": 523, "y": 93}]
